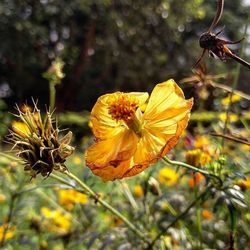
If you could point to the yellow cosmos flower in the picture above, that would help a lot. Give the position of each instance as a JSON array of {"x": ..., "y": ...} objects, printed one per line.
[
  {"x": 69, "y": 197},
  {"x": 127, "y": 140},
  {"x": 168, "y": 176},
  {"x": 235, "y": 98},
  {"x": 7, "y": 235},
  {"x": 56, "y": 221}
]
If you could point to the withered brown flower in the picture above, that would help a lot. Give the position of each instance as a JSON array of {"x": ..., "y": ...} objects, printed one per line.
[{"x": 38, "y": 143}]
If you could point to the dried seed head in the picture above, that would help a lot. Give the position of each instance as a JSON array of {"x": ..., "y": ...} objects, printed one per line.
[{"x": 37, "y": 142}]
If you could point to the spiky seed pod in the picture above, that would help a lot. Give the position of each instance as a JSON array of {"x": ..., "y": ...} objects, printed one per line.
[{"x": 38, "y": 143}]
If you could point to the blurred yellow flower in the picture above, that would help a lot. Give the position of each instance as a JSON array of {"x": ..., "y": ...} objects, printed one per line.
[
  {"x": 201, "y": 142},
  {"x": 58, "y": 247},
  {"x": 56, "y": 221},
  {"x": 235, "y": 98},
  {"x": 197, "y": 157},
  {"x": 69, "y": 197},
  {"x": 7, "y": 234},
  {"x": 2, "y": 198},
  {"x": 127, "y": 140},
  {"x": 168, "y": 176},
  {"x": 231, "y": 117},
  {"x": 138, "y": 191},
  {"x": 77, "y": 160}
]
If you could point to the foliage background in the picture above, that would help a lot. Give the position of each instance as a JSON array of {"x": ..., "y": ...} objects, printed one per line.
[{"x": 106, "y": 45}]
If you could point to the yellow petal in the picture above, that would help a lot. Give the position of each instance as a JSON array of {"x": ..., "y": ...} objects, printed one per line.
[
  {"x": 112, "y": 151},
  {"x": 166, "y": 101}
]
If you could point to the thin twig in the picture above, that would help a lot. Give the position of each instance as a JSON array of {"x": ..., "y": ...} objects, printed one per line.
[{"x": 232, "y": 138}]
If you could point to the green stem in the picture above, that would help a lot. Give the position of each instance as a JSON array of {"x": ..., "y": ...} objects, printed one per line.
[
  {"x": 185, "y": 165},
  {"x": 96, "y": 197},
  {"x": 52, "y": 95}
]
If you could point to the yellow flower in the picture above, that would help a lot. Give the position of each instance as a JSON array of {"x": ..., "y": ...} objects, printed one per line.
[
  {"x": 56, "y": 221},
  {"x": 231, "y": 117},
  {"x": 202, "y": 142},
  {"x": 138, "y": 191},
  {"x": 58, "y": 247},
  {"x": 69, "y": 197},
  {"x": 127, "y": 140},
  {"x": 2, "y": 198},
  {"x": 196, "y": 157},
  {"x": 7, "y": 234},
  {"x": 235, "y": 98},
  {"x": 77, "y": 160},
  {"x": 168, "y": 176}
]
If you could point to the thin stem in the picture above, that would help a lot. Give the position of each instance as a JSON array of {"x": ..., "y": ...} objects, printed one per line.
[
  {"x": 96, "y": 197},
  {"x": 232, "y": 138},
  {"x": 179, "y": 217},
  {"x": 52, "y": 95},
  {"x": 185, "y": 165}
]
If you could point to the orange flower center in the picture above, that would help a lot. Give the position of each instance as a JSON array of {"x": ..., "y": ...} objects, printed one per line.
[{"x": 122, "y": 107}]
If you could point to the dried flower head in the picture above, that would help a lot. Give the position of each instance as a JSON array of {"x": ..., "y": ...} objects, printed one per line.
[{"x": 38, "y": 143}]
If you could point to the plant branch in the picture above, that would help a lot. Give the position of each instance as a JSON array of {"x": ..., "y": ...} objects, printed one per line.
[
  {"x": 185, "y": 165},
  {"x": 96, "y": 197}
]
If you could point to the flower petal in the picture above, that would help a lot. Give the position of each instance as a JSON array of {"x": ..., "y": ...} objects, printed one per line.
[
  {"x": 103, "y": 124},
  {"x": 112, "y": 151},
  {"x": 110, "y": 172},
  {"x": 165, "y": 96}
]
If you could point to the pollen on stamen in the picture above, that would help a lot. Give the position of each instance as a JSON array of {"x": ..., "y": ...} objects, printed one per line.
[{"x": 122, "y": 106}]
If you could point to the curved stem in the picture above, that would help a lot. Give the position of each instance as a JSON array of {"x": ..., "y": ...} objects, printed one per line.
[
  {"x": 96, "y": 197},
  {"x": 185, "y": 165}
]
